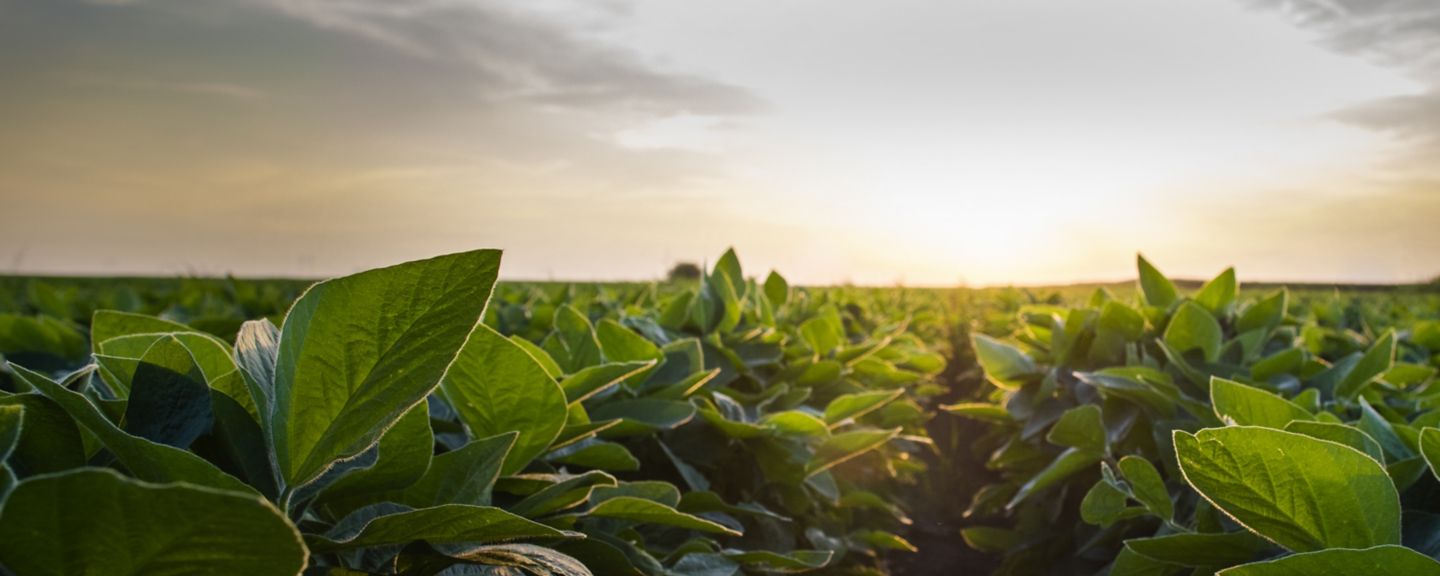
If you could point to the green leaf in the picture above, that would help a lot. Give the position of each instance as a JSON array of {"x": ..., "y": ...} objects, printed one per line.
[
  {"x": 1374, "y": 363},
  {"x": 775, "y": 562},
  {"x": 109, "y": 324},
  {"x": 593, "y": 380},
  {"x": 882, "y": 540},
  {"x": 358, "y": 352},
  {"x": 444, "y": 524},
  {"x": 980, "y": 411},
  {"x": 851, "y": 406},
  {"x": 1193, "y": 328},
  {"x": 463, "y": 476},
  {"x": 989, "y": 539},
  {"x": 824, "y": 332},
  {"x": 146, "y": 460},
  {"x": 49, "y": 441},
  {"x": 1006, "y": 366},
  {"x": 573, "y": 344},
  {"x": 1132, "y": 563},
  {"x": 169, "y": 402},
  {"x": 540, "y": 355},
  {"x": 1147, "y": 486},
  {"x": 842, "y": 447},
  {"x": 662, "y": 492},
  {"x": 796, "y": 422},
  {"x": 95, "y": 521},
  {"x": 643, "y": 416},
  {"x": 1080, "y": 427},
  {"x": 651, "y": 512},
  {"x": 496, "y": 388},
  {"x": 561, "y": 493},
  {"x": 1286, "y": 361},
  {"x": 1225, "y": 549},
  {"x": 1265, "y": 314},
  {"x": 1372, "y": 423},
  {"x": 777, "y": 290},
  {"x": 1299, "y": 492},
  {"x": 1069, "y": 462},
  {"x": 621, "y": 344},
  {"x": 404, "y": 454},
  {"x": 1218, "y": 295},
  {"x": 1158, "y": 290},
  {"x": 1343, "y": 562},
  {"x": 1103, "y": 505},
  {"x": 1342, "y": 434},
  {"x": 1430, "y": 448},
  {"x": 1238, "y": 404},
  {"x": 526, "y": 558},
  {"x": 597, "y": 454},
  {"x": 12, "y": 420}
]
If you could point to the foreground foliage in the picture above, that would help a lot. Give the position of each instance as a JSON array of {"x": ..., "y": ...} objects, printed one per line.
[
  {"x": 417, "y": 420},
  {"x": 1205, "y": 433}
]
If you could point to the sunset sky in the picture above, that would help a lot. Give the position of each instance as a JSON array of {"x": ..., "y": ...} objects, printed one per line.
[{"x": 926, "y": 142}]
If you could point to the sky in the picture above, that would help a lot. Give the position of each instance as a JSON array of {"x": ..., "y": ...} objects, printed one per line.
[{"x": 923, "y": 142}]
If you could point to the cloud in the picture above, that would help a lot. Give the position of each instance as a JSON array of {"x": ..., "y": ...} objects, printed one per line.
[
  {"x": 523, "y": 56},
  {"x": 1401, "y": 34},
  {"x": 196, "y": 87},
  {"x": 276, "y": 126},
  {"x": 1414, "y": 119}
]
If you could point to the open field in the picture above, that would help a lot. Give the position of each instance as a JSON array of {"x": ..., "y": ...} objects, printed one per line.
[{"x": 725, "y": 425}]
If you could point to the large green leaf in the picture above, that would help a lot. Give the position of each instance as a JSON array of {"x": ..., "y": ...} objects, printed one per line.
[
  {"x": 643, "y": 416},
  {"x": 1194, "y": 328},
  {"x": 496, "y": 387},
  {"x": 573, "y": 344},
  {"x": 149, "y": 461},
  {"x": 850, "y": 406},
  {"x": 1069, "y": 462},
  {"x": 12, "y": 418},
  {"x": 358, "y": 352},
  {"x": 1379, "y": 358},
  {"x": 463, "y": 476},
  {"x": 1157, "y": 289},
  {"x": 775, "y": 562},
  {"x": 1242, "y": 405},
  {"x": 94, "y": 521},
  {"x": 648, "y": 511},
  {"x": 1300, "y": 492},
  {"x": 841, "y": 447},
  {"x": 49, "y": 441},
  {"x": 1430, "y": 449},
  {"x": 1265, "y": 314},
  {"x": 593, "y": 380},
  {"x": 1347, "y": 435},
  {"x": 1218, "y": 295},
  {"x": 1080, "y": 427},
  {"x": 403, "y": 457},
  {"x": 445, "y": 524},
  {"x": 1223, "y": 549},
  {"x": 526, "y": 558},
  {"x": 777, "y": 290},
  {"x": 1147, "y": 486},
  {"x": 108, "y": 324},
  {"x": 1378, "y": 560},
  {"x": 169, "y": 402},
  {"x": 1006, "y": 366}
]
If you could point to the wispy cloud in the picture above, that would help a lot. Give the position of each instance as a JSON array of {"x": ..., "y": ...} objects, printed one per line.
[
  {"x": 523, "y": 55},
  {"x": 1401, "y": 34},
  {"x": 210, "y": 88}
]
